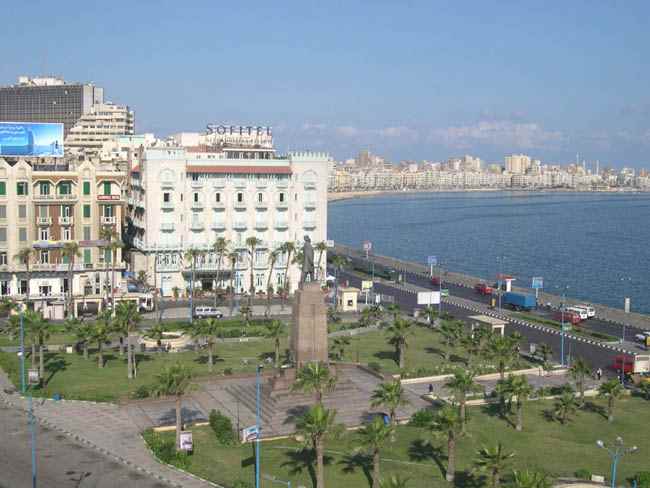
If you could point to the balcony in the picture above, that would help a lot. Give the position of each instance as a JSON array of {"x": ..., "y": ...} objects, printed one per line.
[
  {"x": 56, "y": 267},
  {"x": 261, "y": 183},
  {"x": 197, "y": 184},
  {"x": 167, "y": 226},
  {"x": 282, "y": 225},
  {"x": 309, "y": 224},
  {"x": 54, "y": 197},
  {"x": 240, "y": 183},
  {"x": 218, "y": 205},
  {"x": 240, "y": 205},
  {"x": 167, "y": 205},
  {"x": 239, "y": 226},
  {"x": 218, "y": 226},
  {"x": 282, "y": 183},
  {"x": 197, "y": 205},
  {"x": 197, "y": 226},
  {"x": 282, "y": 205},
  {"x": 219, "y": 183},
  {"x": 108, "y": 220},
  {"x": 44, "y": 220},
  {"x": 261, "y": 205},
  {"x": 261, "y": 225},
  {"x": 167, "y": 184},
  {"x": 66, "y": 220},
  {"x": 310, "y": 185},
  {"x": 310, "y": 204}
]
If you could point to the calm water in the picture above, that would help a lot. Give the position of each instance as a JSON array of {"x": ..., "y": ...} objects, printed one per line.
[{"x": 595, "y": 244}]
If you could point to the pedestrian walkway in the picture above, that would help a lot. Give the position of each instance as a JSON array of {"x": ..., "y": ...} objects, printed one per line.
[{"x": 104, "y": 426}]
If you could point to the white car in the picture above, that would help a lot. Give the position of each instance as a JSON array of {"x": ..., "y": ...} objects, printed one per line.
[
  {"x": 591, "y": 312},
  {"x": 207, "y": 312},
  {"x": 582, "y": 313}
]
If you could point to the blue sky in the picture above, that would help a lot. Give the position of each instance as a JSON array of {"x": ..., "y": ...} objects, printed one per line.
[{"x": 410, "y": 80}]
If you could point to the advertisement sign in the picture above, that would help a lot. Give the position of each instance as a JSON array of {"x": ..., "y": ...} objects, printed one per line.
[
  {"x": 186, "y": 441},
  {"x": 366, "y": 285},
  {"x": 31, "y": 139},
  {"x": 432, "y": 260},
  {"x": 428, "y": 297},
  {"x": 249, "y": 434},
  {"x": 538, "y": 283}
]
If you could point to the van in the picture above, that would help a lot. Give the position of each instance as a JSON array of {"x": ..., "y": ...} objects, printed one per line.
[
  {"x": 581, "y": 312},
  {"x": 207, "y": 312},
  {"x": 591, "y": 311}
]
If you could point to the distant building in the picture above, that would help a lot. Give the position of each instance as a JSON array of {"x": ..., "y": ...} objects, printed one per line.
[{"x": 517, "y": 163}]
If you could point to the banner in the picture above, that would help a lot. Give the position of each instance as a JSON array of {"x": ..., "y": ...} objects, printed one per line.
[{"x": 31, "y": 139}]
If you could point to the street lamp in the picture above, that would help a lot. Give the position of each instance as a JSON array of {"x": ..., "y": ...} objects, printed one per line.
[
  {"x": 500, "y": 260},
  {"x": 616, "y": 452},
  {"x": 562, "y": 307},
  {"x": 258, "y": 405},
  {"x": 626, "y": 303},
  {"x": 30, "y": 417}
]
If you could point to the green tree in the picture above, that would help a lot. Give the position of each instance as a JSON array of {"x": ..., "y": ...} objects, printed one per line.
[
  {"x": 475, "y": 344},
  {"x": 531, "y": 479},
  {"x": 492, "y": 462},
  {"x": 579, "y": 372},
  {"x": 157, "y": 333},
  {"x": 273, "y": 258},
  {"x": 321, "y": 247},
  {"x": 452, "y": 333},
  {"x": 317, "y": 426},
  {"x": 447, "y": 423},
  {"x": 220, "y": 248},
  {"x": 431, "y": 313},
  {"x": 252, "y": 243},
  {"x": 233, "y": 258},
  {"x": 314, "y": 378},
  {"x": 518, "y": 386},
  {"x": 192, "y": 255},
  {"x": 81, "y": 330},
  {"x": 69, "y": 252},
  {"x": 24, "y": 256},
  {"x": 398, "y": 334},
  {"x": 338, "y": 263},
  {"x": 373, "y": 436},
  {"x": 275, "y": 331},
  {"x": 612, "y": 391},
  {"x": 208, "y": 330},
  {"x": 40, "y": 329},
  {"x": 394, "y": 481},
  {"x": 127, "y": 319},
  {"x": 390, "y": 395},
  {"x": 565, "y": 406},
  {"x": 545, "y": 353},
  {"x": 644, "y": 389},
  {"x": 503, "y": 350},
  {"x": 142, "y": 279},
  {"x": 287, "y": 248},
  {"x": 462, "y": 384},
  {"x": 101, "y": 333},
  {"x": 13, "y": 327},
  {"x": 174, "y": 381},
  {"x": 394, "y": 310},
  {"x": 339, "y": 344}
]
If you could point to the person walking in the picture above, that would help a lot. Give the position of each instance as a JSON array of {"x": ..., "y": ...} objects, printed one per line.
[{"x": 599, "y": 374}]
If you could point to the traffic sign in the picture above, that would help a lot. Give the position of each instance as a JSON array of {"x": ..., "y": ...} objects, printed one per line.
[
  {"x": 432, "y": 260},
  {"x": 538, "y": 283}
]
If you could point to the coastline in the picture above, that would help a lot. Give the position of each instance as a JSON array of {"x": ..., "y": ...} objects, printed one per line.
[{"x": 351, "y": 195}]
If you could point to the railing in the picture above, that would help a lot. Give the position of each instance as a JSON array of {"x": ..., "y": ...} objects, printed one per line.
[
  {"x": 281, "y": 225},
  {"x": 281, "y": 205},
  {"x": 261, "y": 225},
  {"x": 197, "y": 183},
  {"x": 56, "y": 267},
  {"x": 218, "y": 226},
  {"x": 219, "y": 183},
  {"x": 167, "y": 205},
  {"x": 261, "y": 183},
  {"x": 197, "y": 226},
  {"x": 310, "y": 204},
  {"x": 282, "y": 183},
  {"x": 240, "y": 205},
  {"x": 167, "y": 184},
  {"x": 239, "y": 225},
  {"x": 108, "y": 220},
  {"x": 44, "y": 220},
  {"x": 55, "y": 196},
  {"x": 167, "y": 226},
  {"x": 309, "y": 224},
  {"x": 261, "y": 205},
  {"x": 137, "y": 242},
  {"x": 66, "y": 220},
  {"x": 218, "y": 205},
  {"x": 310, "y": 185},
  {"x": 197, "y": 205}
]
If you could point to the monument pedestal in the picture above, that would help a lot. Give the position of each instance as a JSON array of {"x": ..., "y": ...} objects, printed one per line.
[{"x": 309, "y": 329}]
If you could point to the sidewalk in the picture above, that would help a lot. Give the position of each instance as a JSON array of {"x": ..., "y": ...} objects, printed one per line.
[{"x": 104, "y": 426}]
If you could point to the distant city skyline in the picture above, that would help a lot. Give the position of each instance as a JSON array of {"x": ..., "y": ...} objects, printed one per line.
[{"x": 420, "y": 81}]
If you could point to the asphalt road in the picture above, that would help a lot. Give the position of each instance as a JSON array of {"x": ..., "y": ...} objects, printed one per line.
[{"x": 61, "y": 461}]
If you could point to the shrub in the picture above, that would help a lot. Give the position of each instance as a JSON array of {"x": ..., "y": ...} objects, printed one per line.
[
  {"x": 642, "y": 479},
  {"x": 242, "y": 484},
  {"x": 165, "y": 449},
  {"x": 422, "y": 418},
  {"x": 227, "y": 371},
  {"x": 222, "y": 427},
  {"x": 142, "y": 391},
  {"x": 583, "y": 474},
  {"x": 374, "y": 366}
]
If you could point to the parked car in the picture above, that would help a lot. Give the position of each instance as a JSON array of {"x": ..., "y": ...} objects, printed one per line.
[
  {"x": 582, "y": 313},
  {"x": 483, "y": 289},
  {"x": 208, "y": 312}
]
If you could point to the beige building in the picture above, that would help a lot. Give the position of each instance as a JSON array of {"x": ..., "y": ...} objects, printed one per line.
[
  {"x": 517, "y": 163},
  {"x": 103, "y": 122},
  {"x": 43, "y": 206}
]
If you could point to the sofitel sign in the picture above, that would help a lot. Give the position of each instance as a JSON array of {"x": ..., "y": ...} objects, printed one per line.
[{"x": 241, "y": 130}]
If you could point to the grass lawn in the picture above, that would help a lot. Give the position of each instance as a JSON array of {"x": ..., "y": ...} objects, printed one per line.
[
  {"x": 545, "y": 445},
  {"x": 57, "y": 338},
  {"x": 75, "y": 378},
  {"x": 425, "y": 352}
]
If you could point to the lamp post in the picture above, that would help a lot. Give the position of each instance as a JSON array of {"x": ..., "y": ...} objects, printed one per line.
[
  {"x": 616, "y": 452},
  {"x": 500, "y": 260},
  {"x": 626, "y": 302},
  {"x": 257, "y": 423},
  {"x": 30, "y": 415}
]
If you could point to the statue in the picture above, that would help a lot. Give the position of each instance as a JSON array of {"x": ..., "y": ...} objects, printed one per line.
[{"x": 308, "y": 262}]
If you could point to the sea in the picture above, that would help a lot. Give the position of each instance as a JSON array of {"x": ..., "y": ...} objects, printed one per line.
[{"x": 590, "y": 246}]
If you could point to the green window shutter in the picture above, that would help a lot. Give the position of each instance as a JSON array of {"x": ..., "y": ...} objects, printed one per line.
[
  {"x": 107, "y": 255},
  {"x": 107, "y": 188},
  {"x": 19, "y": 189},
  {"x": 65, "y": 259},
  {"x": 87, "y": 211},
  {"x": 87, "y": 256},
  {"x": 3, "y": 188},
  {"x": 86, "y": 187}
]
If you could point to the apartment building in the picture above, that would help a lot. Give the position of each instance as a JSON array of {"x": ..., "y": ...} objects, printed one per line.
[
  {"x": 104, "y": 122},
  {"x": 43, "y": 206},
  {"x": 187, "y": 198}
]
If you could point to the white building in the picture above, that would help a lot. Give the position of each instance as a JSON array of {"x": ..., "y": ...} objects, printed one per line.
[
  {"x": 183, "y": 198},
  {"x": 104, "y": 122}
]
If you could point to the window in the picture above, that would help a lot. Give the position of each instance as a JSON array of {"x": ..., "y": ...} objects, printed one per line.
[
  {"x": 217, "y": 197},
  {"x": 3, "y": 234},
  {"x": 87, "y": 256},
  {"x": 22, "y": 212},
  {"x": 44, "y": 233},
  {"x": 65, "y": 188},
  {"x": 22, "y": 188},
  {"x": 3, "y": 188},
  {"x": 3, "y": 257},
  {"x": 44, "y": 257},
  {"x": 65, "y": 285},
  {"x": 260, "y": 197},
  {"x": 4, "y": 287},
  {"x": 22, "y": 234},
  {"x": 86, "y": 232},
  {"x": 22, "y": 287},
  {"x": 107, "y": 210},
  {"x": 44, "y": 188},
  {"x": 43, "y": 211},
  {"x": 3, "y": 211},
  {"x": 86, "y": 211},
  {"x": 259, "y": 280},
  {"x": 66, "y": 211},
  {"x": 167, "y": 197},
  {"x": 107, "y": 256},
  {"x": 86, "y": 188},
  {"x": 67, "y": 234},
  {"x": 195, "y": 197},
  {"x": 107, "y": 188},
  {"x": 240, "y": 197},
  {"x": 282, "y": 199}
]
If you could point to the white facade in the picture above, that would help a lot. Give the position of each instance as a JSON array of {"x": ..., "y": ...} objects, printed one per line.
[{"x": 184, "y": 200}]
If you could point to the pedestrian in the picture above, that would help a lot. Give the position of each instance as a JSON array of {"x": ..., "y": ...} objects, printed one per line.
[
  {"x": 599, "y": 374},
  {"x": 430, "y": 389}
]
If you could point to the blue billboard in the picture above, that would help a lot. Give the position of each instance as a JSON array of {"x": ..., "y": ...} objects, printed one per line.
[{"x": 31, "y": 139}]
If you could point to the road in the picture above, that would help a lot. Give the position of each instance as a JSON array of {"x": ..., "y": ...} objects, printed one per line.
[{"x": 61, "y": 461}]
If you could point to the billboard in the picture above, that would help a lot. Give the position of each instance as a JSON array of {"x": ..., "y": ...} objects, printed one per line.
[
  {"x": 31, "y": 139},
  {"x": 428, "y": 297}
]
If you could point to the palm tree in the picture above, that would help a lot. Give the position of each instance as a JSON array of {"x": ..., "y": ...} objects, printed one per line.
[
  {"x": 314, "y": 378},
  {"x": 127, "y": 319},
  {"x": 114, "y": 247},
  {"x": 70, "y": 251},
  {"x": 24, "y": 256},
  {"x": 373, "y": 437},
  {"x": 493, "y": 461},
  {"x": 447, "y": 422},
  {"x": 461, "y": 385},
  {"x": 321, "y": 247},
  {"x": 106, "y": 234},
  {"x": 174, "y": 381},
  {"x": 233, "y": 257},
  {"x": 394, "y": 310},
  {"x": 81, "y": 330},
  {"x": 317, "y": 425},
  {"x": 220, "y": 247},
  {"x": 390, "y": 395},
  {"x": 518, "y": 386},
  {"x": 39, "y": 329},
  {"x": 398, "y": 333},
  {"x": 339, "y": 263},
  {"x": 142, "y": 279},
  {"x": 192, "y": 255},
  {"x": 503, "y": 350},
  {"x": 644, "y": 389},
  {"x": 101, "y": 333},
  {"x": 612, "y": 391},
  {"x": 275, "y": 332},
  {"x": 431, "y": 313},
  {"x": 579, "y": 371},
  {"x": 208, "y": 330},
  {"x": 273, "y": 258},
  {"x": 530, "y": 479},
  {"x": 288, "y": 248},
  {"x": 252, "y": 243},
  {"x": 339, "y": 344},
  {"x": 395, "y": 481},
  {"x": 157, "y": 333},
  {"x": 545, "y": 352},
  {"x": 452, "y": 333},
  {"x": 565, "y": 406},
  {"x": 13, "y": 326}
]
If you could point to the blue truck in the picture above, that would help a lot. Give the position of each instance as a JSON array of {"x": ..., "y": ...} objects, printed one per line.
[{"x": 519, "y": 301}]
